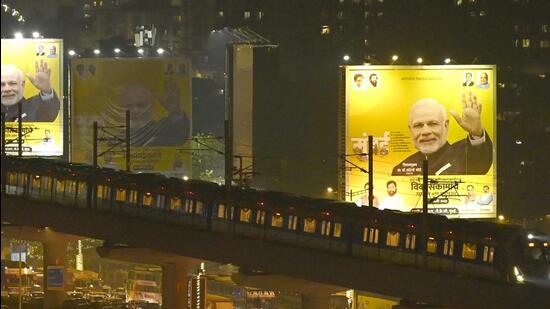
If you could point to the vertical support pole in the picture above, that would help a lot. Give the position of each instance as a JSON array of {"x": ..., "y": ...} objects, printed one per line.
[
  {"x": 228, "y": 123},
  {"x": 425, "y": 208},
  {"x": 371, "y": 183},
  {"x": 128, "y": 140},
  {"x": 20, "y": 129},
  {"x": 3, "y": 134},
  {"x": 94, "y": 162}
]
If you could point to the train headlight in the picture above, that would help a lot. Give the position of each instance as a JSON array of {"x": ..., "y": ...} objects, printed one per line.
[{"x": 518, "y": 274}]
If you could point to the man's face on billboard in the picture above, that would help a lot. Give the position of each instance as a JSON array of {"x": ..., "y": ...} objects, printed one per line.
[
  {"x": 428, "y": 126},
  {"x": 12, "y": 87},
  {"x": 483, "y": 78},
  {"x": 391, "y": 188},
  {"x": 468, "y": 77},
  {"x": 139, "y": 101}
]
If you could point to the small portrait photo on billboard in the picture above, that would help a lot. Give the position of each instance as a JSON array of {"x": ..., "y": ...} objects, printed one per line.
[
  {"x": 170, "y": 69},
  {"x": 42, "y": 107},
  {"x": 429, "y": 126},
  {"x": 91, "y": 69},
  {"x": 40, "y": 50},
  {"x": 182, "y": 69},
  {"x": 486, "y": 198},
  {"x": 483, "y": 81},
  {"x": 374, "y": 80},
  {"x": 52, "y": 51},
  {"x": 359, "y": 81},
  {"x": 468, "y": 79},
  {"x": 80, "y": 69}
]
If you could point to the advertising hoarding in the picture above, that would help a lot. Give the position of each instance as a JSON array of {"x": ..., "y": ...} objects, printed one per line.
[
  {"x": 443, "y": 113},
  {"x": 32, "y": 75},
  {"x": 157, "y": 92}
]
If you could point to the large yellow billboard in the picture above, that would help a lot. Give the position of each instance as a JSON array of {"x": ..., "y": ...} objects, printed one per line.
[
  {"x": 445, "y": 114},
  {"x": 32, "y": 78},
  {"x": 157, "y": 92}
]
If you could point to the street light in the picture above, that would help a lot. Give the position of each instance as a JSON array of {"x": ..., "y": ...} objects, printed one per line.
[
  {"x": 394, "y": 57},
  {"x": 97, "y": 51},
  {"x": 36, "y": 35},
  {"x": 447, "y": 60},
  {"x": 330, "y": 190},
  {"x": 501, "y": 218},
  {"x": 71, "y": 52},
  {"x": 419, "y": 60},
  {"x": 346, "y": 57},
  {"x": 18, "y": 35},
  {"x": 140, "y": 51},
  {"x": 117, "y": 50},
  {"x": 160, "y": 51}
]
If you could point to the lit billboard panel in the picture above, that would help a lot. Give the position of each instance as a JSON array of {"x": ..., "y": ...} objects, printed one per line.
[
  {"x": 32, "y": 77},
  {"x": 443, "y": 113},
  {"x": 157, "y": 92}
]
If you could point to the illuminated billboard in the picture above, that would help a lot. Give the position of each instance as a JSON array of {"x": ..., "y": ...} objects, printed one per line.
[
  {"x": 32, "y": 78},
  {"x": 443, "y": 113},
  {"x": 157, "y": 92}
]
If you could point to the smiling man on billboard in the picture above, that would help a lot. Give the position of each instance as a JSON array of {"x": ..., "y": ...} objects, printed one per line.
[{"x": 429, "y": 126}]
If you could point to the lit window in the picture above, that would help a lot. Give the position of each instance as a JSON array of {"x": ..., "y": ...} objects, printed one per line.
[
  {"x": 392, "y": 239},
  {"x": 366, "y": 14},
  {"x": 431, "y": 245},
  {"x": 341, "y": 1},
  {"x": 410, "y": 241},
  {"x": 147, "y": 199},
  {"x": 325, "y": 30},
  {"x": 366, "y": 29},
  {"x": 188, "y": 206},
  {"x": 380, "y": 14},
  {"x": 488, "y": 254},
  {"x": 220, "y": 13},
  {"x": 366, "y": 42},
  {"x": 277, "y": 220},
  {"x": 448, "y": 247},
  {"x": 245, "y": 215},
  {"x": 544, "y": 43},
  {"x": 178, "y": 18},
  {"x": 482, "y": 13},
  {"x": 292, "y": 222},
  {"x": 337, "y": 230},
  {"x": 340, "y": 15},
  {"x": 260, "y": 15},
  {"x": 198, "y": 207},
  {"x": 370, "y": 235},
  {"x": 545, "y": 28},
  {"x": 221, "y": 211},
  {"x": 120, "y": 195},
  {"x": 469, "y": 251},
  {"x": 260, "y": 217},
  {"x": 246, "y": 14},
  {"x": 309, "y": 225},
  {"x": 525, "y": 43},
  {"x": 325, "y": 227},
  {"x": 175, "y": 203},
  {"x": 458, "y": 2}
]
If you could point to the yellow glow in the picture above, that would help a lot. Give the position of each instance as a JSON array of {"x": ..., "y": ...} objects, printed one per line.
[
  {"x": 330, "y": 190},
  {"x": 501, "y": 217},
  {"x": 531, "y": 244},
  {"x": 394, "y": 57}
]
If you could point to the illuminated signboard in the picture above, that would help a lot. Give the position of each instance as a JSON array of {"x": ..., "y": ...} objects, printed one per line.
[{"x": 443, "y": 113}]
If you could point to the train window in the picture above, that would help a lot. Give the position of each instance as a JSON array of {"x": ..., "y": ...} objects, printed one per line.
[
  {"x": 260, "y": 217},
  {"x": 410, "y": 241},
  {"x": 147, "y": 199},
  {"x": 325, "y": 227},
  {"x": 431, "y": 245},
  {"x": 188, "y": 206},
  {"x": 59, "y": 186},
  {"x": 370, "y": 235},
  {"x": 199, "y": 205},
  {"x": 392, "y": 239},
  {"x": 120, "y": 195},
  {"x": 448, "y": 247},
  {"x": 309, "y": 225},
  {"x": 245, "y": 215},
  {"x": 175, "y": 203},
  {"x": 277, "y": 220},
  {"x": 488, "y": 254},
  {"x": 159, "y": 201},
  {"x": 292, "y": 222},
  {"x": 36, "y": 182},
  {"x": 103, "y": 192},
  {"x": 133, "y": 196},
  {"x": 337, "y": 230},
  {"x": 221, "y": 211},
  {"x": 469, "y": 251}
]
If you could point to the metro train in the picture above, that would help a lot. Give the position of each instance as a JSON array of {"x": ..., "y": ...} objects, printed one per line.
[{"x": 490, "y": 251}]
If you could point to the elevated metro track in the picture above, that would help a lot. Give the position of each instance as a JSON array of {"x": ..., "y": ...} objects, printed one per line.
[{"x": 300, "y": 262}]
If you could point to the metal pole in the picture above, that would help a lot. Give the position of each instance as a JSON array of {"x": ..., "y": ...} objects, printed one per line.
[
  {"x": 94, "y": 162},
  {"x": 128, "y": 140},
  {"x": 20, "y": 298},
  {"x": 371, "y": 184},
  {"x": 425, "y": 208},
  {"x": 3, "y": 134},
  {"x": 228, "y": 123},
  {"x": 20, "y": 129}
]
